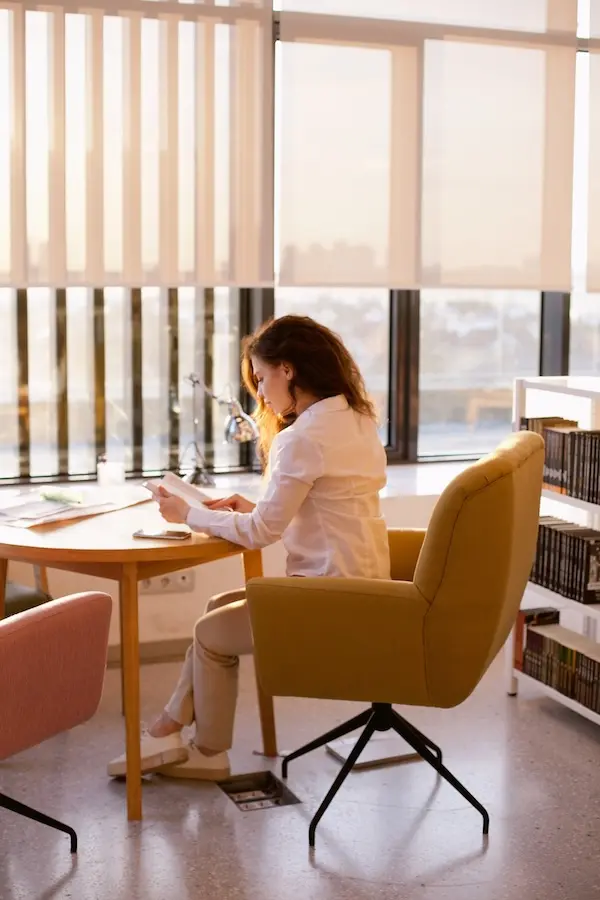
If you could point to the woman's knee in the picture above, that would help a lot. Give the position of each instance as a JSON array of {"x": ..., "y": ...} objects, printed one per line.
[{"x": 217, "y": 601}]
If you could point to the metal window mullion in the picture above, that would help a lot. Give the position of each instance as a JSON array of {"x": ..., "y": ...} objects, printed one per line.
[
  {"x": 208, "y": 450},
  {"x": 62, "y": 382},
  {"x": 173, "y": 365},
  {"x": 555, "y": 333},
  {"x": 23, "y": 384},
  {"x": 404, "y": 376},
  {"x": 99, "y": 372},
  {"x": 137, "y": 398}
]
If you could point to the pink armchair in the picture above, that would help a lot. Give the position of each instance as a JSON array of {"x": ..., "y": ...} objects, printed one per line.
[{"x": 52, "y": 664}]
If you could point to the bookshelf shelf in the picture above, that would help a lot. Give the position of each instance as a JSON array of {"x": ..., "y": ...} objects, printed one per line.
[
  {"x": 556, "y": 695},
  {"x": 574, "y": 386},
  {"x": 571, "y": 501},
  {"x": 539, "y": 594}
]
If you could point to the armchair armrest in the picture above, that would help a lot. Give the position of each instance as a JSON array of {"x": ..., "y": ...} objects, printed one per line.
[
  {"x": 339, "y": 638},
  {"x": 405, "y": 546}
]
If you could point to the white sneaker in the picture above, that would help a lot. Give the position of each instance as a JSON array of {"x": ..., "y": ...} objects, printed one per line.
[
  {"x": 199, "y": 766},
  {"x": 156, "y": 752}
]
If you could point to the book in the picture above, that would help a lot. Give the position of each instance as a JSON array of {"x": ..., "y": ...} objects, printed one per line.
[
  {"x": 567, "y": 560},
  {"x": 543, "y": 615},
  {"x": 565, "y": 661}
]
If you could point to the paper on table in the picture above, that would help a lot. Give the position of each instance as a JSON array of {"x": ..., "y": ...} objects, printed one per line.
[
  {"x": 94, "y": 501},
  {"x": 34, "y": 508}
]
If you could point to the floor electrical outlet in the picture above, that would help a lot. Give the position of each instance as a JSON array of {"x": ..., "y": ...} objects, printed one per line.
[{"x": 175, "y": 583}]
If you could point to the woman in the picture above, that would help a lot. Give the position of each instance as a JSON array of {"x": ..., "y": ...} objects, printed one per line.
[{"x": 324, "y": 466}]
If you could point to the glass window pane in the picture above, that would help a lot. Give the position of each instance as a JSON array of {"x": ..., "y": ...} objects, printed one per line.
[
  {"x": 584, "y": 348},
  {"x": 343, "y": 171},
  {"x": 226, "y": 371},
  {"x": 194, "y": 307},
  {"x": 473, "y": 345},
  {"x": 80, "y": 381},
  {"x": 155, "y": 378},
  {"x": 41, "y": 309},
  {"x": 585, "y": 334},
  {"x": 496, "y": 176},
  {"x": 362, "y": 319},
  {"x": 9, "y": 391},
  {"x": 118, "y": 387}
]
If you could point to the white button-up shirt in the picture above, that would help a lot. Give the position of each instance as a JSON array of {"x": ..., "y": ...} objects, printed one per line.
[{"x": 322, "y": 497}]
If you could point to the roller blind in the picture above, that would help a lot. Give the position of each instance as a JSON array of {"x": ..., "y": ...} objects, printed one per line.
[
  {"x": 426, "y": 153},
  {"x": 593, "y": 248}
]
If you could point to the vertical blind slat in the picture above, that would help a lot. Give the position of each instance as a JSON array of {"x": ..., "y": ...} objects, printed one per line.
[
  {"x": 18, "y": 204},
  {"x": 56, "y": 162},
  {"x": 169, "y": 151},
  {"x": 132, "y": 152},
  {"x": 94, "y": 156},
  {"x": 204, "y": 226}
]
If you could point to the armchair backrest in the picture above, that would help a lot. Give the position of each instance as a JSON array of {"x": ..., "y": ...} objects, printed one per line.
[
  {"x": 52, "y": 665},
  {"x": 475, "y": 563}
]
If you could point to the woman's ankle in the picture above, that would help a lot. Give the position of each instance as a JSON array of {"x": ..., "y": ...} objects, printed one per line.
[
  {"x": 164, "y": 725},
  {"x": 206, "y": 751}
]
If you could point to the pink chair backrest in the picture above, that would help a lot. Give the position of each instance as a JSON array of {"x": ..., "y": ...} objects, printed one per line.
[{"x": 52, "y": 665}]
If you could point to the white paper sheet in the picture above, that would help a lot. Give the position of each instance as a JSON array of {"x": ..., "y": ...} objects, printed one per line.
[{"x": 31, "y": 509}]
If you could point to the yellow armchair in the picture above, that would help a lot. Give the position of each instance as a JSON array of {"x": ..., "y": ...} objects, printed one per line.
[{"x": 425, "y": 638}]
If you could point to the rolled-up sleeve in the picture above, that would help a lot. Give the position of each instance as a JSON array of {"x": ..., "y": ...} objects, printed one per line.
[{"x": 295, "y": 463}]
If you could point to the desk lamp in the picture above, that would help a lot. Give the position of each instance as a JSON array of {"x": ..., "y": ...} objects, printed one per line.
[{"x": 239, "y": 428}]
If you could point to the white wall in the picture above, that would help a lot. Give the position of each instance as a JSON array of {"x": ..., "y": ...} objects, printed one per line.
[{"x": 172, "y": 616}]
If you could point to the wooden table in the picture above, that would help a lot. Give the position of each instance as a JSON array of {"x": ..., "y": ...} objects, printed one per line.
[{"x": 103, "y": 546}]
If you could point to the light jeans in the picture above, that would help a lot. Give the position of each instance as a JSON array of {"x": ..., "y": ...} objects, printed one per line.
[{"x": 206, "y": 692}]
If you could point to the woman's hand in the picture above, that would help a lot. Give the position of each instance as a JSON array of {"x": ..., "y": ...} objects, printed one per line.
[
  {"x": 172, "y": 509},
  {"x": 235, "y": 503}
]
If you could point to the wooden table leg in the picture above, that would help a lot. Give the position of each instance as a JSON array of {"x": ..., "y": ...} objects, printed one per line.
[
  {"x": 253, "y": 569},
  {"x": 122, "y": 665},
  {"x": 130, "y": 656},
  {"x": 3, "y": 577}
]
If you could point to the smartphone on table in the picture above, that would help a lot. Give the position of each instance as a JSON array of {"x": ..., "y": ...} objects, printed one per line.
[{"x": 169, "y": 534}]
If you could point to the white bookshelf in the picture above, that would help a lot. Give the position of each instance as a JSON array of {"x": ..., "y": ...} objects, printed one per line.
[
  {"x": 587, "y": 387},
  {"x": 560, "y": 698},
  {"x": 583, "y": 393},
  {"x": 573, "y": 502},
  {"x": 543, "y": 597}
]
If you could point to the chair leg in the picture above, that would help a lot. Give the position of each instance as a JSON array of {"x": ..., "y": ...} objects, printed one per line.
[
  {"x": 419, "y": 735},
  {"x": 358, "y": 748},
  {"x": 345, "y": 728},
  {"x": 29, "y": 813},
  {"x": 435, "y": 763}
]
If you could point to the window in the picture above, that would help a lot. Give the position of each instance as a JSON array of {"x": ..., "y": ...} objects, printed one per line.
[
  {"x": 130, "y": 173},
  {"x": 10, "y": 400},
  {"x": 584, "y": 349},
  {"x": 154, "y": 162},
  {"x": 585, "y": 335},
  {"x": 362, "y": 319},
  {"x": 473, "y": 344}
]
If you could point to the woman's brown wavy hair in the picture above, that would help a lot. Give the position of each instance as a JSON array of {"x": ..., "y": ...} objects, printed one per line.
[{"x": 322, "y": 367}]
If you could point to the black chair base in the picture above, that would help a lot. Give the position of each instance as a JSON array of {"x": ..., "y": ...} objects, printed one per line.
[
  {"x": 30, "y": 813},
  {"x": 380, "y": 717}
]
